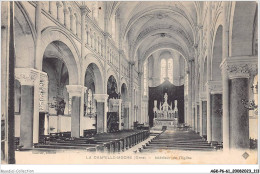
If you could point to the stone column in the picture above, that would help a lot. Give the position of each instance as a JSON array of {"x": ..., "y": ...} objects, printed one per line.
[
  {"x": 201, "y": 119},
  {"x": 140, "y": 96},
  {"x": 209, "y": 121},
  {"x": 204, "y": 118},
  {"x": 215, "y": 88},
  {"x": 101, "y": 112},
  {"x": 239, "y": 70},
  {"x": 75, "y": 92},
  {"x": 128, "y": 106},
  {"x": 131, "y": 109},
  {"x": 209, "y": 20},
  {"x": 120, "y": 113},
  {"x": 239, "y": 119},
  {"x": 189, "y": 114},
  {"x": 71, "y": 20},
  {"x": 46, "y": 124},
  {"x": 83, "y": 91},
  {"x": 198, "y": 118},
  {"x": 203, "y": 114},
  {"x": 51, "y": 7},
  {"x": 26, "y": 77},
  {"x": 59, "y": 11},
  {"x": 66, "y": 18},
  {"x": 225, "y": 82},
  {"x": 77, "y": 25}
]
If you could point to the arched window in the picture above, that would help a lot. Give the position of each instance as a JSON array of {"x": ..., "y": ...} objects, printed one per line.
[
  {"x": 163, "y": 69},
  {"x": 170, "y": 70},
  {"x": 167, "y": 69},
  {"x": 145, "y": 79}
]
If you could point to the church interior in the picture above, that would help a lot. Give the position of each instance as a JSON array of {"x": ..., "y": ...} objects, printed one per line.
[{"x": 138, "y": 76}]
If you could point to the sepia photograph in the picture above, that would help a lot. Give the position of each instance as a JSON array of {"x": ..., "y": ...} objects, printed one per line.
[{"x": 129, "y": 83}]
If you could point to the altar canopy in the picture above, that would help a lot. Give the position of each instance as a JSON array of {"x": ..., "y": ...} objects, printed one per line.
[{"x": 174, "y": 96}]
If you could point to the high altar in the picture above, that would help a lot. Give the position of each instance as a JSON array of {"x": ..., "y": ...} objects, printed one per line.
[{"x": 165, "y": 115}]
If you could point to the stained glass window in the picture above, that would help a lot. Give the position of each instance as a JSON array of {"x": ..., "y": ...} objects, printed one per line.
[
  {"x": 163, "y": 69},
  {"x": 167, "y": 69},
  {"x": 170, "y": 70}
]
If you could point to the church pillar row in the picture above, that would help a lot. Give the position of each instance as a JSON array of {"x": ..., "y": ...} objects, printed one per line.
[
  {"x": 101, "y": 112},
  {"x": 75, "y": 94}
]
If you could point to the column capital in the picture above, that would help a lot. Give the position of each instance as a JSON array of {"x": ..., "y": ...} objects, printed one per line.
[
  {"x": 203, "y": 96},
  {"x": 66, "y": 11},
  {"x": 76, "y": 90},
  {"x": 193, "y": 104},
  {"x": 140, "y": 74},
  {"x": 58, "y": 3},
  {"x": 240, "y": 67},
  {"x": 215, "y": 87},
  {"x": 132, "y": 63},
  {"x": 106, "y": 35},
  {"x": 28, "y": 76},
  {"x": 84, "y": 9},
  {"x": 101, "y": 97},
  {"x": 121, "y": 52}
]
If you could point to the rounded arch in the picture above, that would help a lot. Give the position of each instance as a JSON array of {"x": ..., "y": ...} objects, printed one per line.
[
  {"x": 124, "y": 92},
  {"x": 182, "y": 40},
  {"x": 123, "y": 81},
  {"x": 112, "y": 72},
  {"x": 54, "y": 34},
  {"x": 174, "y": 47},
  {"x": 242, "y": 20},
  {"x": 59, "y": 50},
  {"x": 137, "y": 16},
  {"x": 112, "y": 87},
  {"x": 217, "y": 54},
  {"x": 96, "y": 76}
]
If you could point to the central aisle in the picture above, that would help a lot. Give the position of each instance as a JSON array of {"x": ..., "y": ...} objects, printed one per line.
[{"x": 178, "y": 140}]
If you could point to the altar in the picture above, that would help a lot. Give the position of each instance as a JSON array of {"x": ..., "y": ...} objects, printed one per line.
[{"x": 166, "y": 114}]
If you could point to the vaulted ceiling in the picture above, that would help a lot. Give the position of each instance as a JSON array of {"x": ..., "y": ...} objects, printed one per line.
[{"x": 147, "y": 27}]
